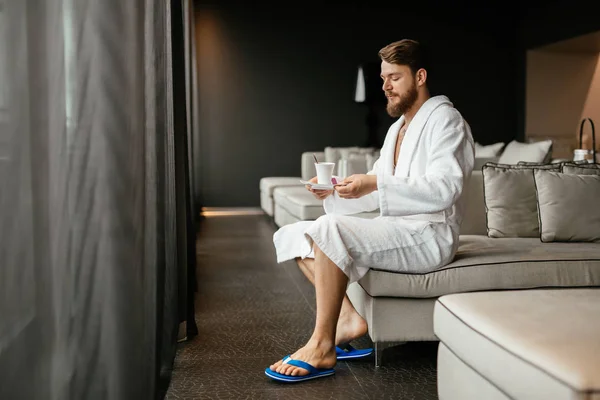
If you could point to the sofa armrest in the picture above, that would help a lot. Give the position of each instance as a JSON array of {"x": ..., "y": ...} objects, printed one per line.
[{"x": 308, "y": 163}]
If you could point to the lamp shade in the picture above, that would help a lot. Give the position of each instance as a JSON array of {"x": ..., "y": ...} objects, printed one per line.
[
  {"x": 368, "y": 84},
  {"x": 360, "y": 94}
]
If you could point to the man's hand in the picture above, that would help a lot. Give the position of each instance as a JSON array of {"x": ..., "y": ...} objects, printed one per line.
[
  {"x": 356, "y": 186},
  {"x": 318, "y": 193}
]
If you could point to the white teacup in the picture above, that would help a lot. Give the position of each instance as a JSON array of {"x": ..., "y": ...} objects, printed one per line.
[{"x": 324, "y": 172}]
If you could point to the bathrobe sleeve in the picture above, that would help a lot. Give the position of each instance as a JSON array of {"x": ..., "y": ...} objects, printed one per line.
[
  {"x": 450, "y": 160},
  {"x": 334, "y": 204}
]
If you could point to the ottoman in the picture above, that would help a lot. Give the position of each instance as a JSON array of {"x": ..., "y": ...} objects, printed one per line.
[
  {"x": 293, "y": 204},
  {"x": 526, "y": 344}
]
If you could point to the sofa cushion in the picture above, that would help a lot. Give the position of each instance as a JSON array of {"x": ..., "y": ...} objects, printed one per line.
[
  {"x": 568, "y": 206},
  {"x": 530, "y": 344},
  {"x": 334, "y": 154},
  {"x": 355, "y": 163},
  {"x": 538, "y": 152},
  {"x": 268, "y": 184},
  {"x": 581, "y": 168},
  {"x": 282, "y": 217},
  {"x": 488, "y": 150},
  {"x": 510, "y": 199},
  {"x": 299, "y": 202},
  {"x": 483, "y": 263}
]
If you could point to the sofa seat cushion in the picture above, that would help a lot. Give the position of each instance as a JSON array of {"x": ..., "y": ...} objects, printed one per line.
[
  {"x": 299, "y": 202},
  {"x": 530, "y": 344},
  {"x": 484, "y": 263},
  {"x": 268, "y": 184}
]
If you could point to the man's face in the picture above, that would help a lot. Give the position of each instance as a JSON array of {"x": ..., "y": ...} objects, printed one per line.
[{"x": 400, "y": 88}]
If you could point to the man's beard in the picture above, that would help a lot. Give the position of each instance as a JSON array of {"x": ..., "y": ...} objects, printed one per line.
[{"x": 407, "y": 100}]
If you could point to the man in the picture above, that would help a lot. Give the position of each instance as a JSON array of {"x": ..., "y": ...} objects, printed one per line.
[{"x": 417, "y": 183}]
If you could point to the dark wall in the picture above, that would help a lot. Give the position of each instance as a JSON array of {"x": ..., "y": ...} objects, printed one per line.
[
  {"x": 553, "y": 20},
  {"x": 274, "y": 83}
]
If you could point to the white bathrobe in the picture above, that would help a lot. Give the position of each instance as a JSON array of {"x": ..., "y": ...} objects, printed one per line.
[{"x": 420, "y": 202}]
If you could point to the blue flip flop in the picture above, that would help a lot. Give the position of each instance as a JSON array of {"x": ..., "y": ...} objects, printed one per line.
[
  {"x": 313, "y": 372},
  {"x": 350, "y": 353}
]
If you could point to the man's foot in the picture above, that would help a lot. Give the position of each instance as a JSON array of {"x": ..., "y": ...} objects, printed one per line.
[
  {"x": 350, "y": 326},
  {"x": 317, "y": 355}
]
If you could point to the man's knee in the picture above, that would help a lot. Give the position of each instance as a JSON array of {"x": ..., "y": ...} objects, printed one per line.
[
  {"x": 327, "y": 221},
  {"x": 327, "y": 227}
]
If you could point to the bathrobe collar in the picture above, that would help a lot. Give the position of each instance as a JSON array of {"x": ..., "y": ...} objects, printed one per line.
[{"x": 412, "y": 135}]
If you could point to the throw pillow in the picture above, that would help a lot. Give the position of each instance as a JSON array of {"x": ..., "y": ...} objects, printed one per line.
[
  {"x": 510, "y": 199},
  {"x": 535, "y": 164},
  {"x": 353, "y": 163},
  {"x": 334, "y": 154},
  {"x": 581, "y": 168},
  {"x": 488, "y": 151},
  {"x": 568, "y": 206},
  {"x": 536, "y": 152}
]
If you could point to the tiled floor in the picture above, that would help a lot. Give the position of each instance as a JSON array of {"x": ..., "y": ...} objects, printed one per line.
[{"x": 251, "y": 311}]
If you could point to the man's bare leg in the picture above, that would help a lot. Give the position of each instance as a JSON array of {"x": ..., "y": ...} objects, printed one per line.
[
  {"x": 350, "y": 324},
  {"x": 330, "y": 287}
]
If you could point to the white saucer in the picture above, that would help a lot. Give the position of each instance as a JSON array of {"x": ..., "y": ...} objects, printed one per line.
[{"x": 318, "y": 186}]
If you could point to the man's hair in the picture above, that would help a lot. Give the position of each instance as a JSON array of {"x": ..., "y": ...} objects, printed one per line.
[{"x": 405, "y": 52}]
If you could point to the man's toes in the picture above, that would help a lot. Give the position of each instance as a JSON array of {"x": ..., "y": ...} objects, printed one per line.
[
  {"x": 281, "y": 368},
  {"x": 290, "y": 370},
  {"x": 287, "y": 369},
  {"x": 274, "y": 367}
]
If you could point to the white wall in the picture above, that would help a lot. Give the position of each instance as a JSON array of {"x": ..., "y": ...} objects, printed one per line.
[{"x": 562, "y": 89}]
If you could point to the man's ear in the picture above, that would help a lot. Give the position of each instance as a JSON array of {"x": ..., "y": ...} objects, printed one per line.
[{"x": 421, "y": 77}]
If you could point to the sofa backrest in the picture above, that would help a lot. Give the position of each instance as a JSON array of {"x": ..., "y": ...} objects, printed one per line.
[
  {"x": 474, "y": 222},
  {"x": 480, "y": 162},
  {"x": 348, "y": 160}
]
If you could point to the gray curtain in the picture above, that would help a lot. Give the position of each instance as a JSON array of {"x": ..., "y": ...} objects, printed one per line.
[{"x": 96, "y": 213}]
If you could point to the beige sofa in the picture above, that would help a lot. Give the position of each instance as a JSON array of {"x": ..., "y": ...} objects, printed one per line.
[{"x": 399, "y": 307}]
